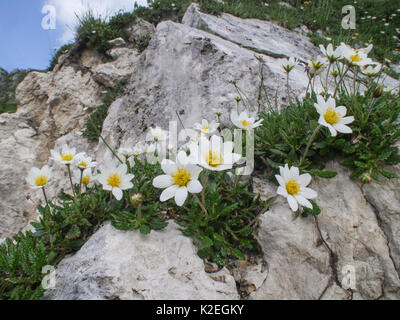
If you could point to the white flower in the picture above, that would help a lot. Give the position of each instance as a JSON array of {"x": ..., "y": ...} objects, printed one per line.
[
  {"x": 83, "y": 162},
  {"x": 180, "y": 178},
  {"x": 356, "y": 57},
  {"x": 289, "y": 64},
  {"x": 371, "y": 70},
  {"x": 317, "y": 65},
  {"x": 244, "y": 121},
  {"x": 115, "y": 178},
  {"x": 66, "y": 156},
  {"x": 213, "y": 154},
  {"x": 206, "y": 127},
  {"x": 139, "y": 149},
  {"x": 38, "y": 178},
  {"x": 159, "y": 134},
  {"x": 391, "y": 90},
  {"x": 293, "y": 187},
  {"x": 333, "y": 117},
  {"x": 87, "y": 177},
  {"x": 126, "y": 152},
  {"x": 329, "y": 53}
]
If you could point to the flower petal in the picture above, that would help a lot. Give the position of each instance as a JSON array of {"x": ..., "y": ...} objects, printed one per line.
[
  {"x": 308, "y": 193},
  {"x": 342, "y": 128},
  {"x": 117, "y": 192},
  {"x": 181, "y": 195},
  {"x": 304, "y": 179},
  {"x": 169, "y": 193},
  {"x": 303, "y": 201},
  {"x": 292, "y": 203},
  {"x": 194, "y": 186},
  {"x": 163, "y": 181}
]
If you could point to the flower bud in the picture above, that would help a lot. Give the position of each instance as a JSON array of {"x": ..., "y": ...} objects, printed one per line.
[
  {"x": 136, "y": 200},
  {"x": 378, "y": 92},
  {"x": 366, "y": 177}
]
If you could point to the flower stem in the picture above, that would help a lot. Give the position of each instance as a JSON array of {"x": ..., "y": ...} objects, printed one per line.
[
  {"x": 200, "y": 204},
  {"x": 309, "y": 144},
  {"x": 340, "y": 81},
  {"x": 45, "y": 197},
  {"x": 287, "y": 87},
  {"x": 70, "y": 179},
  {"x": 203, "y": 192},
  {"x": 80, "y": 182}
]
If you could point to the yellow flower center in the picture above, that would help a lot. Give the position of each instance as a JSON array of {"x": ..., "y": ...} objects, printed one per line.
[
  {"x": 114, "y": 180},
  {"x": 86, "y": 180},
  {"x": 331, "y": 116},
  {"x": 205, "y": 128},
  {"x": 245, "y": 123},
  {"x": 355, "y": 58},
  {"x": 41, "y": 181},
  {"x": 66, "y": 157},
  {"x": 82, "y": 164},
  {"x": 181, "y": 177},
  {"x": 292, "y": 187},
  {"x": 214, "y": 158}
]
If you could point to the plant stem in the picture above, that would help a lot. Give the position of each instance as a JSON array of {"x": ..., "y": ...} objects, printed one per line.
[
  {"x": 70, "y": 179},
  {"x": 327, "y": 76},
  {"x": 200, "y": 204},
  {"x": 287, "y": 87},
  {"x": 45, "y": 197},
  {"x": 309, "y": 144},
  {"x": 80, "y": 181},
  {"x": 340, "y": 81},
  {"x": 205, "y": 179}
]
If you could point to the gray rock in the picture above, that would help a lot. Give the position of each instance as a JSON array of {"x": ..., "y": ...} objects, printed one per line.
[
  {"x": 186, "y": 70},
  {"x": 263, "y": 36},
  {"x": 127, "y": 265},
  {"x": 118, "y": 42},
  {"x": 302, "y": 266},
  {"x": 139, "y": 28}
]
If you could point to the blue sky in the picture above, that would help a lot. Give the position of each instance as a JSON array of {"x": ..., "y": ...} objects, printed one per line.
[{"x": 25, "y": 44}]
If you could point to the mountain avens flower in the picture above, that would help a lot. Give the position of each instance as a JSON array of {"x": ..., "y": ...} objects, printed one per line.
[
  {"x": 289, "y": 64},
  {"x": 332, "y": 117},
  {"x": 66, "y": 156},
  {"x": 371, "y": 70},
  {"x": 115, "y": 178},
  {"x": 244, "y": 121},
  {"x": 329, "y": 53},
  {"x": 293, "y": 187},
  {"x": 206, "y": 127},
  {"x": 213, "y": 154},
  {"x": 87, "y": 177},
  {"x": 179, "y": 178},
  {"x": 158, "y": 134},
  {"x": 38, "y": 178},
  {"x": 84, "y": 162}
]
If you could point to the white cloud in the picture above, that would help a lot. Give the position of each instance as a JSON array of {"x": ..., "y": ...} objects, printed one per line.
[{"x": 68, "y": 9}]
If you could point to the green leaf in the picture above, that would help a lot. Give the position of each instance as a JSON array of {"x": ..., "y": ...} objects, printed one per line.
[
  {"x": 203, "y": 253},
  {"x": 324, "y": 174},
  {"x": 144, "y": 229},
  {"x": 206, "y": 242},
  {"x": 218, "y": 237},
  {"x": 238, "y": 254}
]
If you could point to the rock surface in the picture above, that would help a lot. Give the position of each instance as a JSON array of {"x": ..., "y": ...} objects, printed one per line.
[
  {"x": 303, "y": 266},
  {"x": 127, "y": 265}
]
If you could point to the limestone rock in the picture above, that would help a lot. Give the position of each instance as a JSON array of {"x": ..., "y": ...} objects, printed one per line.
[
  {"x": 127, "y": 265},
  {"x": 302, "y": 266},
  {"x": 263, "y": 36},
  {"x": 139, "y": 28},
  {"x": 121, "y": 67},
  {"x": 187, "y": 71}
]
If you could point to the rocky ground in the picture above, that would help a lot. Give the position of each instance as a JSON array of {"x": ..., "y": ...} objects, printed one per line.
[{"x": 187, "y": 68}]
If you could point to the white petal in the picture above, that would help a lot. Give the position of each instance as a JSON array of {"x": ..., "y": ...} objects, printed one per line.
[
  {"x": 303, "y": 201},
  {"x": 117, "y": 192},
  {"x": 342, "y": 110},
  {"x": 308, "y": 193},
  {"x": 304, "y": 179},
  {"x": 346, "y": 120},
  {"x": 168, "y": 166},
  {"x": 169, "y": 193},
  {"x": 280, "y": 180},
  {"x": 194, "y": 186},
  {"x": 181, "y": 195},
  {"x": 282, "y": 191},
  {"x": 163, "y": 181},
  {"x": 332, "y": 130},
  {"x": 342, "y": 128},
  {"x": 292, "y": 203},
  {"x": 294, "y": 172}
]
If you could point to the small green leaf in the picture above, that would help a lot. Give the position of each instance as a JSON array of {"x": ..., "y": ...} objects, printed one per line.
[
  {"x": 238, "y": 254},
  {"x": 206, "y": 242},
  {"x": 144, "y": 229}
]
